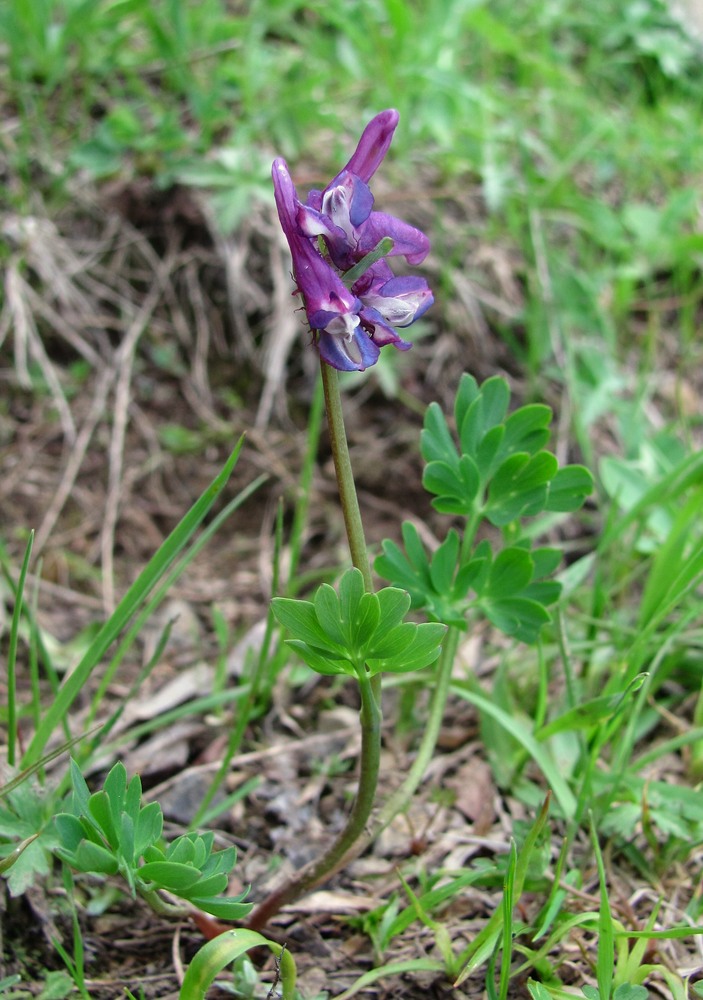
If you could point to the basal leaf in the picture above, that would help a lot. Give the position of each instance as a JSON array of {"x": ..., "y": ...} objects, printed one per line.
[
  {"x": 630, "y": 991},
  {"x": 470, "y": 425},
  {"x": 485, "y": 413},
  {"x": 207, "y": 839},
  {"x": 219, "y": 861},
  {"x": 351, "y": 591},
  {"x": 456, "y": 487},
  {"x": 99, "y": 809},
  {"x": 181, "y": 851},
  {"x": 441, "y": 479},
  {"x": 546, "y": 560},
  {"x": 393, "y": 566},
  {"x": 496, "y": 396},
  {"x": 126, "y": 844},
  {"x": 416, "y": 551},
  {"x": 148, "y": 828},
  {"x": 392, "y": 644},
  {"x": 213, "y": 885},
  {"x": 169, "y": 875},
  {"x": 154, "y": 853},
  {"x": 472, "y": 576},
  {"x": 222, "y": 908},
  {"x": 543, "y": 591},
  {"x": 201, "y": 853},
  {"x": 81, "y": 791},
  {"x": 133, "y": 798},
  {"x": 69, "y": 830},
  {"x": 115, "y": 788},
  {"x": 368, "y": 617},
  {"x": 89, "y": 857}
]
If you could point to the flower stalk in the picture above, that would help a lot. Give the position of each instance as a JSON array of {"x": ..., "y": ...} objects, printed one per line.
[{"x": 370, "y": 716}]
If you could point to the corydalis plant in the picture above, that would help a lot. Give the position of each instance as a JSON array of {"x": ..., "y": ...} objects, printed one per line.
[{"x": 352, "y": 299}]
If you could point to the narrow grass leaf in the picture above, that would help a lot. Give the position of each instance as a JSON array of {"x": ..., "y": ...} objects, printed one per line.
[
  {"x": 606, "y": 931},
  {"x": 391, "y": 969},
  {"x": 517, "y": 729},
  {"x": 12, "y": 656},
  {"x": 224, "y": 949},
  {"x": 508, "y": 905},
  {"x": 483, "y": 945},
  {"x": 147, "y": 579}
]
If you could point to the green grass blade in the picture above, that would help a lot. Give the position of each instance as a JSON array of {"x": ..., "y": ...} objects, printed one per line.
[
  {"x": 391, "y": 969},
  {"x": 164, "y": 587},
  {"x": 12, "y": 657},
  {"x": 224, "y": 949},
  {"x": 482, "y": 946},
  {"x": 508, "y": 906},
  {"x": 519, "y": 731},
  {"x": 150, "y": 575},
  {"x": 606, "y": 931}
]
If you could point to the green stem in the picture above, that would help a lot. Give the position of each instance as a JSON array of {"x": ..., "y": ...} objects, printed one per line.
[
  {"x": 343, "y": 846},
  {"x": 400, "y": 799},
  {"x": 160, "y": 906},
  {"x": 345, "y": 475},
  {"x": 335, "y": 856},
  {"x": 347, "y": 487}
]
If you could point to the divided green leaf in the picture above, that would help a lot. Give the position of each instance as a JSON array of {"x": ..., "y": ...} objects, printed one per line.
[
  {"x": 356, "y": 632},
  {"x": 110, "y": 832},
  {"x": 499, "y": 468}
]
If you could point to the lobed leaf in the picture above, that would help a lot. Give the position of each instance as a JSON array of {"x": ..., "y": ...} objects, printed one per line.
[
  {"x": 170, "y": 875},
  {"x": 213, "y": 885},
  {"x": 329, "y": 615},
  {"x": 423, "y": 648},
  {"x": 436, "y": 441},
  {"x": 519, "y": 487},
  {"x": 181, "y": 851},
  {"x": 368, "y": 632},
  {"x": 100, "y": 810},
  {"x": 569, "y": 488},
  {"x": 527, "y": 429},
  {"x": 148, "y": 828},
  {"x": 519, "y": 617},
  {"x": 510, "y": 572},
  {"x": 222, "y": 908},
  {"x": 90, "y": 857},
  {"x": 444, "y": 562},
  {"x": 321, "y": 660},
  {"x": 299, "y": 618}
]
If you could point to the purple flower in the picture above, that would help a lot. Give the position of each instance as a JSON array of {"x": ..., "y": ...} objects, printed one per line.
[{"x": 350, "y": 327}]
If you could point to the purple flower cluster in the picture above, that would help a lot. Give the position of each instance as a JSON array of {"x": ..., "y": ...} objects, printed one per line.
[{"x": 350, "y": 325}]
